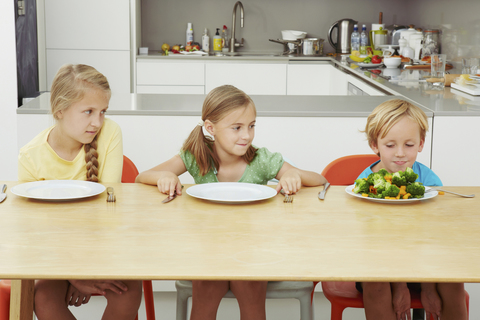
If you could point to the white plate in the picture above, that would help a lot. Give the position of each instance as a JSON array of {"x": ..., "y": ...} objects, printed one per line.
[
  {"x": 369, "y": 65},
  {"x": 53, "y": 190},
  {"x": 231, "y": 192},
  {"x": 428, "y": 195}
]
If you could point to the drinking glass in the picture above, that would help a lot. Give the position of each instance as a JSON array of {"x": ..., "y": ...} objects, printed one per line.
[
  {"x": 470, "y": 65},
  {"x": 438, "y": 70}
]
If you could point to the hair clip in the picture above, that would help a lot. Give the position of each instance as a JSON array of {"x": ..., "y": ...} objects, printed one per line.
[{"x": 201, "y": 123}]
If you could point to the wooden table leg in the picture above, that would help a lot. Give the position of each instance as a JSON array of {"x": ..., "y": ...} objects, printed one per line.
[{"x": 21, "y": 300}]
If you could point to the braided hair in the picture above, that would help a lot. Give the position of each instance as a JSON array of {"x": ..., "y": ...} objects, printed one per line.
[{"x": 69, "y": 86}]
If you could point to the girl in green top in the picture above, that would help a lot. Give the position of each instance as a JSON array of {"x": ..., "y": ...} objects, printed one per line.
[{"x": 228, "y": 115}]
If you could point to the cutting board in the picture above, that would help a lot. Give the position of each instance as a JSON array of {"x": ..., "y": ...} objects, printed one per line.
[
  {"x": 473, "y": 90},
  {"x": 425, "y": 66}
]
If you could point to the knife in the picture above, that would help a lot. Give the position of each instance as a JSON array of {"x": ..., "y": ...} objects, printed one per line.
[
  {"x": 3, "y": 195},
  {"x": 321, "y": 194},
  {"x": 170, "y": 198}
]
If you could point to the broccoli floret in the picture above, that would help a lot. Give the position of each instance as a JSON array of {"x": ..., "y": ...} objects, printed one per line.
[
  {"x": 391, "y": 191},
  {"x": 373, "y": 195},
  {"x": 398, "y": 179},
  {"x": 416, "y": 189},
  {"x": 383, "y": 172},
  {"x": 410, "y": 175},
  {"x": 380, "y": 184},
  {"x": 361, "y": 186}
]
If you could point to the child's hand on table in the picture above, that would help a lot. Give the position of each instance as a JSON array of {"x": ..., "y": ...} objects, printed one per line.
[
  {"x": 290, "y": 181},
  {"x": 168, "y": 183}
]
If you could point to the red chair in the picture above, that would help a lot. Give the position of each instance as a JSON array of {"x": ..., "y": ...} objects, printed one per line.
[
  {"x": 342, "y": 295},
  {"x": 343, "y": 171},
  {"x": 129, "y": 173}
]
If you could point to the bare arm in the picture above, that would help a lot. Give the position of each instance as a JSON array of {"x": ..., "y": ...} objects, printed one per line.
[
  {"x": 165, "y": 176},
  {"x": 291, "y": 178}
]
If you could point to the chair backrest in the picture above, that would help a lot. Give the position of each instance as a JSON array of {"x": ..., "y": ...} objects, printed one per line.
[
  {"x": 343, "y": 171},
  {"x": 130, "y": 171}
]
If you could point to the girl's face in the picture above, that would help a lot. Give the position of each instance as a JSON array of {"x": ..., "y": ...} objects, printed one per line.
[
  {"x": 234, "y": 133},
  {"x": 82, "y": 120},
  {"x": 399, "y": 149}
]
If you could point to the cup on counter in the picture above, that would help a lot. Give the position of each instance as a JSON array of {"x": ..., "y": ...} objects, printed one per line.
[
  {"x": 438, "y": 70},
  {"x": 470, "y": 65}
]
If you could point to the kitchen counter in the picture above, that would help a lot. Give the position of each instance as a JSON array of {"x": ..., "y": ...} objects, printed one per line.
[
  {"x": 449, "y": 102},
  {"x": 191, "y": 105}
]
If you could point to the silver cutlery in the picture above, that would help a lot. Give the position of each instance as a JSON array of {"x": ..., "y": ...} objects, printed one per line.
[
  {"x": 170, "y": 198},
  {"x": 110, "y": 195},
  {"x": 458, "y": 194},
  {"x": 3, "y": 195},
  {"x": 321, "y": 194},
  {"x": 288, "y": 197}
]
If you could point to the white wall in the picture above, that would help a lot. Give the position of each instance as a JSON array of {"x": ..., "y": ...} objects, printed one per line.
[{"x": 8, "y": 93}]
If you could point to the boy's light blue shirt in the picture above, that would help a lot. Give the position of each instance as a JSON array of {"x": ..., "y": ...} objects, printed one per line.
[{"x": 425, "y": 174}]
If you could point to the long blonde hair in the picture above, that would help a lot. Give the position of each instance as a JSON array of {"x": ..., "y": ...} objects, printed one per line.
[
  {"x": 217, "y": 105},
  {"x": 69, "y": 86},
  {"x": 388, "y": 113}
]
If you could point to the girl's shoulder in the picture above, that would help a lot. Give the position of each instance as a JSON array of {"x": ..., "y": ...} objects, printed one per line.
[{"x": 39, "y": 141}]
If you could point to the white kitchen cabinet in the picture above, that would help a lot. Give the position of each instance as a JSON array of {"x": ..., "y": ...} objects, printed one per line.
[
  {"x": 115, "y": 65},
  {"x": 308, "y": 78},
  {"x": 161, "y": 76},
  {"x": 456, "y": 156},
  {"x": 339, "y": 82},
  {"x": 253, "y": 78},
  {"x": 91, "y": 32}
]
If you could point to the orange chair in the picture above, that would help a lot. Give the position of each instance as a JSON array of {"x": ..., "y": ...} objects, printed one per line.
[
  {"x": 343, "y": 171},
  {"x": 342, "y": 295},
  {"x": 129, "y": 173}
]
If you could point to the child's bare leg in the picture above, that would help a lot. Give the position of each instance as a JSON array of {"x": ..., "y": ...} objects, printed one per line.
[
  {"x": 124, "y": 306},
  {"x": 50, "y": 300},
  {"x": 377, "y": 300},
  {"x": 251, "y": 298},
  {"x": 206, "y": 297},
  {"x": 453, "y": 301}
]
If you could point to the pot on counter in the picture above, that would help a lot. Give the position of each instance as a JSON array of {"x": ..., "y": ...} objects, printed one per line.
[{"x": 310, "y": 46}]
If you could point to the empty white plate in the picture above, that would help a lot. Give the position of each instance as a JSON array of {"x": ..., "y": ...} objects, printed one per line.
[
  {"x": 231, "y": 192},
  {"x": 58, "y": 189}
]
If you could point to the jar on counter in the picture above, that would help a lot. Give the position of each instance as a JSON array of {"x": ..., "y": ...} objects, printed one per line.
[{"x": 431, "y": 42}]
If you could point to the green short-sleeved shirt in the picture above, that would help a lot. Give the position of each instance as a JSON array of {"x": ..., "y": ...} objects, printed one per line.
[{"x": 263, "y": 168}]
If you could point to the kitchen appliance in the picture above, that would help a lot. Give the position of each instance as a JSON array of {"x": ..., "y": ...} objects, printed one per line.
[
  {"x": 378, "y": 39},
  {"x": 344, "y": 29}
]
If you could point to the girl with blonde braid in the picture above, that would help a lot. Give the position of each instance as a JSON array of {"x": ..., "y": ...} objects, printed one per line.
[
  {"x": 229, "y": 116},
  {"x": 82, "y": 145}
]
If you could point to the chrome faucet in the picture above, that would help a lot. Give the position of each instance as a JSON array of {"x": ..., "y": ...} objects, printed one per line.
[{"x": 233, "y": 41}]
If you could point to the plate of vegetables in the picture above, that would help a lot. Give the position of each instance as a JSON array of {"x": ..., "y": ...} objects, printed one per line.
[{"x": 399, "y": 187}]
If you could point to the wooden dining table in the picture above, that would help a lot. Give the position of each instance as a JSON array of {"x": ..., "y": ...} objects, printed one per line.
[{"x": 341, "y": 238}]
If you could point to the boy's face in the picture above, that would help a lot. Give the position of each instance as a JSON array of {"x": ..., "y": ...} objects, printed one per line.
[{"x": 399, "y": 149}]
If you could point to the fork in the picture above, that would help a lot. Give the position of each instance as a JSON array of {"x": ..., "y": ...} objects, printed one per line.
[
  {"x": 111, "y": 196},
  {"x": 458, "y": 194},
  {"x": 288, "y": 198}
]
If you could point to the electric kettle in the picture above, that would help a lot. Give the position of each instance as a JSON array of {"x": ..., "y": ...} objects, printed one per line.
[{"x": 344, "y": 32}]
